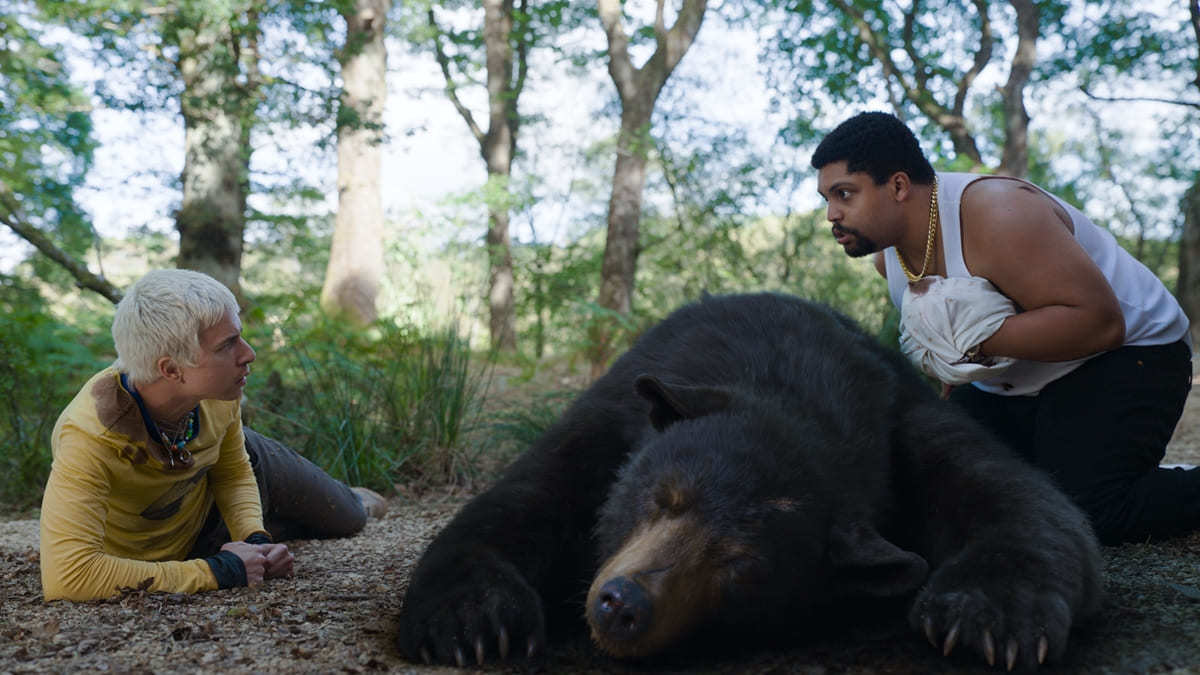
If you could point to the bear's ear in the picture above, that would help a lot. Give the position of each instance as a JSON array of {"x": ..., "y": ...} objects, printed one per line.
[
  {"x": 867, "y": 565},
  {"x": 670, "y": 403}
]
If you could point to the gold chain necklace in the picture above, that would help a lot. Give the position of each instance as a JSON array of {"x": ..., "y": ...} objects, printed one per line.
[{"x": 933, "y": 221}]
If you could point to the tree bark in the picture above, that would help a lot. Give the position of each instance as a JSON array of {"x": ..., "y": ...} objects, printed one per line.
[
  {"x": 1015, "y": 157},
  {"x": 215, "y": 107},
  {"x": 638, "y": 90},
  {"x": 356, "y": 265},
  {"x": 498, "y": 146}
]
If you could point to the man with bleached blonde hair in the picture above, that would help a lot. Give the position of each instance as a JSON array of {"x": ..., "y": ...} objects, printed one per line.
[{"x": 154, "y": 483}]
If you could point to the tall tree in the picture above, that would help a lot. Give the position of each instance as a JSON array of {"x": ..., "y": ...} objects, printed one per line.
[
  {"x": 203, "y": 57},
  {"x": 1014, "y": 158},
  {"x": 356, "y": 256},
  {"x": 915, "y": 55},
  {"x": 506, "y": 40},
  {"x": 218, "y": 66},
  {"x": 638, "y": 89}
]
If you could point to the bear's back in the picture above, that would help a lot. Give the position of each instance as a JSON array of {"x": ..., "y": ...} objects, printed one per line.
[{"x": 770, "y": 345}]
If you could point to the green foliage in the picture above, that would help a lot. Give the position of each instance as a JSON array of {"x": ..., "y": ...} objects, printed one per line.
[
  {"x": 369, "y": 406},
  {"x": 46, "y": 140},
  {"x": 793, "y": 255},
  {"x": 554, "y": 299},
  {"x": 43, "y": 362},
  {"x": 824, "y": 60},
  {"x": 514, "y": 427},
  {"x": 1110, "y": 43}
]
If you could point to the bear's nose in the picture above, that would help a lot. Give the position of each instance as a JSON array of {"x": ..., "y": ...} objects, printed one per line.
[{"x": 621, "y": 610}]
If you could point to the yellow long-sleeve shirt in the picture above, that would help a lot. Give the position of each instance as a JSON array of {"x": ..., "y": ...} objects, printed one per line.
[{"x": 116, "y": 510}]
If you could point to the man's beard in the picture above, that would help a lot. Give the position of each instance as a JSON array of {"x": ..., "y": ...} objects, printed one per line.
[{"x": 860, "y": 246}]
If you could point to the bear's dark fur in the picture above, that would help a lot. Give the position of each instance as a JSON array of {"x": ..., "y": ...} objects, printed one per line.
[{"x": 753, "y": 457}]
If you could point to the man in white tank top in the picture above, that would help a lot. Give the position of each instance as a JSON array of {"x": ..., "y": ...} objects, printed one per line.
[{"x": 1103, "y": 365}]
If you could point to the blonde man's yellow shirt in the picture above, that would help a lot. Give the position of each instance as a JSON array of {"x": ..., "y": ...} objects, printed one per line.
[{"x": 118, "y": 511}]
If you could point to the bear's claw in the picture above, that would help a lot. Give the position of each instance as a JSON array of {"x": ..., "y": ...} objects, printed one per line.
[
  {"x": 951, "y": 639},
  {"x": 502, "y": 643}
]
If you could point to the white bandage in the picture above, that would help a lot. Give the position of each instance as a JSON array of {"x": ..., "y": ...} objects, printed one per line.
[{"x": 943, "y": 318}]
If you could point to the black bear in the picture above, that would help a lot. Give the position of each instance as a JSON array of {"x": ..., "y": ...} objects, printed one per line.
[{"x": 751, "y": 458}]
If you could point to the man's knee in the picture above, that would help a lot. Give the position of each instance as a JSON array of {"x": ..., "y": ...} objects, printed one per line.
[{"x": 1159, "y": 504}]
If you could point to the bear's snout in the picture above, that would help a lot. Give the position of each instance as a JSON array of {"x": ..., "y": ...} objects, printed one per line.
[{"x": 621, "y": 611}]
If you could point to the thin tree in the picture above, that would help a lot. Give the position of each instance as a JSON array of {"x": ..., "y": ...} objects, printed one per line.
[
  {"x": 506, "y": 47},
  {"x": 356, "y": 266},
  {"x": 638, "y": 89}
]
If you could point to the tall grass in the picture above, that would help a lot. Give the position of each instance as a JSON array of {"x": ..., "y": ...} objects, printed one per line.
[
  {"x": 514, "y": 428},
  {"x": 374, "y": 408}
]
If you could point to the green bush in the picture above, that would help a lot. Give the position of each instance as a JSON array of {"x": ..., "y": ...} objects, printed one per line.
[
  {"x": 369, "y": 406},
  {"x": 43, "y": 362}
]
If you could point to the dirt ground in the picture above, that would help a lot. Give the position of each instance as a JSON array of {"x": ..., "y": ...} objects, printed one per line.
[{"x": 338, "y": 614}]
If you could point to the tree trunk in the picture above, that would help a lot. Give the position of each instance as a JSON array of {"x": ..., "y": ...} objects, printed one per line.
[
  {"x": 356, "y": 265},
  {"x": 211, "y": 218},
  {"x": 1015, "y": 158},
  {"x": 621, "y": 248},
  {"x": 498, "y": 146},
  {"x": 1188, "y": 286},
  {"x": 638, "y": 89}
]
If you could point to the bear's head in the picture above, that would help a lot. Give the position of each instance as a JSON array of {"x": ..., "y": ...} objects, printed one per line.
[{"x": 724, "y": 515}]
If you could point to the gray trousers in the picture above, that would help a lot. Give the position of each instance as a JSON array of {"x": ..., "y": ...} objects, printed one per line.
[{"x": 299, "y": 500}]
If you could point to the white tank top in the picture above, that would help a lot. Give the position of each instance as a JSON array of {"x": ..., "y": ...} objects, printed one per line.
[{"x": 1152, "y": 315}]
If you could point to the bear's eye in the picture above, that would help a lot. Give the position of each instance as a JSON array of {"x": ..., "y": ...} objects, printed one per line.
[
  {"x": 673, "y": 499},
  {"x": 739, "y": 569},
  {"x": 733, "y": 559}
]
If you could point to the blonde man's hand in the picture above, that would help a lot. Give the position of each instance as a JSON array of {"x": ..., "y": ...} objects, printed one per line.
[{"x": 252, "y": 558}]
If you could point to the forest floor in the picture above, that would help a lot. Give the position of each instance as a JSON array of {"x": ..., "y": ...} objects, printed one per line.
[{"x": 337, "y": 614}]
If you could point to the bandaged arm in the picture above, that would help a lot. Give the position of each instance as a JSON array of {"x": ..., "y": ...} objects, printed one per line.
[{"x": 943, "y": 321}]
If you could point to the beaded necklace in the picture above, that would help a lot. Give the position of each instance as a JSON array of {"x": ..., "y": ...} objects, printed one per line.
[{"x": 174, "y": 443}]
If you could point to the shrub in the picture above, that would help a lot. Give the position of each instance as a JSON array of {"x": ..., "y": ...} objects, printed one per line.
[
  {"x": 370, "y": 406},
  {"x": 43, "y": 362}
]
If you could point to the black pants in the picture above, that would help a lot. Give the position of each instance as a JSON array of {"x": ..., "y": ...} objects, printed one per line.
[
  {"x": 299, "y": 500},
  {"x": 1101, "y": 432}
]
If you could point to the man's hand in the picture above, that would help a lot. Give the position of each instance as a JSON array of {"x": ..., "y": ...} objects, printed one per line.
[
  {"x": 252, "y": 559},
  {"x": 279, "y": 560}
]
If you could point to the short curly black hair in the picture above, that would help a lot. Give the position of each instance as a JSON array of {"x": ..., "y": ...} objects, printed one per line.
[{"x": 877, "y": 143}]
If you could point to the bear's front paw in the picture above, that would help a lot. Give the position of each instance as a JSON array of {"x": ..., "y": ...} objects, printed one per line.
[
  {"x": 471, "y": 610},
  {"x": 1016, "y": 625}
]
